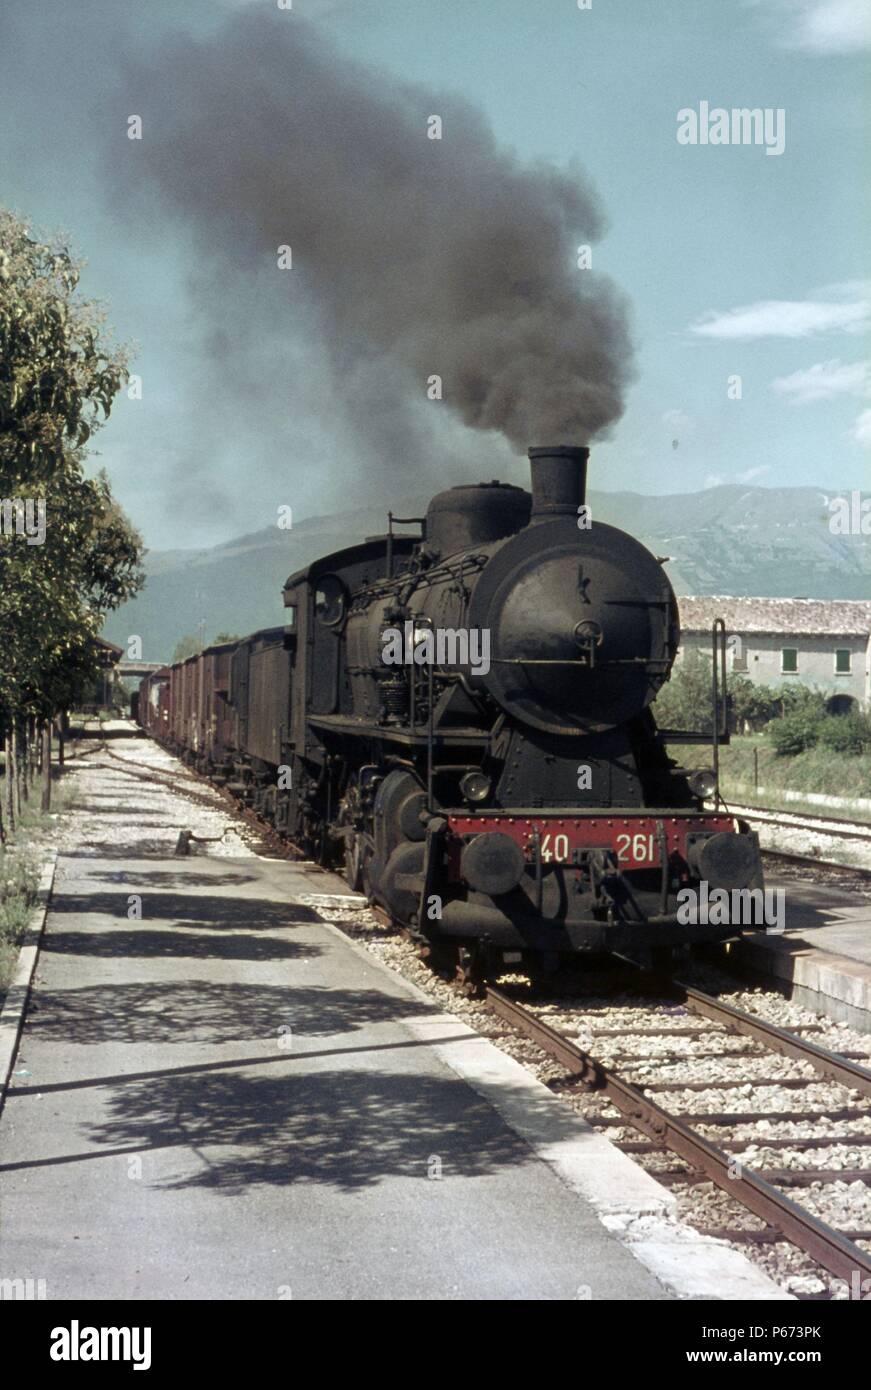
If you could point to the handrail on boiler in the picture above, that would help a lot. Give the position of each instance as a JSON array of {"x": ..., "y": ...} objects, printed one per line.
[{"x": 718, "y": 681}]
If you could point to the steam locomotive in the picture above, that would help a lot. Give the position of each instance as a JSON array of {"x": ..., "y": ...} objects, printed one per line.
[{"x": 461, "y": 720}]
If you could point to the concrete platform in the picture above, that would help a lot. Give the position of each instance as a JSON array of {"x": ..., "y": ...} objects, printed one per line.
[
  {"x": 823, "y": 958},
  {"x": 225, "y": 1098}
]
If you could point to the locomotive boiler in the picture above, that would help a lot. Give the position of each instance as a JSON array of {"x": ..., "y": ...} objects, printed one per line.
[{"x": 461, "y": 719}]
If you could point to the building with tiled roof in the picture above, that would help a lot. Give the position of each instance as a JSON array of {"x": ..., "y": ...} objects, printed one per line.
[{"x": 821, "y": 643}]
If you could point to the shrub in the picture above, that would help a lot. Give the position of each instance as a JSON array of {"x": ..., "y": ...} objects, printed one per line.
[
  {"x": 796, "y": 731},
  {"x": 793, "y": 698},
  {"x": 684, "y": 702},
  {"x": 19, "y": 876},
  {"x": 845, "y": 733},
  {"x": 752, "y": 706}
]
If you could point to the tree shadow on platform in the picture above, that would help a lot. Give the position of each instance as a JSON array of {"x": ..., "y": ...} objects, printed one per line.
[
  {"x": 144, "y": 849},
  {"x": 177, "y": 945},
  {"x": 253, "y": 914},
  {"x": 204, "y": 1011},
  {"x": 345, "y": 1129},
  {"x": 110, "y": 849},
  {"x": 181, "y": 878}
]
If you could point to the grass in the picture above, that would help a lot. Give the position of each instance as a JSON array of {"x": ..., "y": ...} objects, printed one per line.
[
  {"x": 19, "y": 881},
  {"x": 817, "y": 770},
  {"x": 21, "y": 860}
]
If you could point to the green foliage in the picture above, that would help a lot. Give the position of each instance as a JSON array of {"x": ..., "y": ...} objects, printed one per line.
[
  {"x": 58, "y": 378},
  {"x": 791, "y": 714},
  {"x": 845, "y": 733},
  {"x": 187, "y": 646},
  {"x": 751, "y": 704},
  {"x": 685, "y": 702},
  {"x": 751, "y": 760},
  {"x": 226, "y": 637},
  {"x": 19, "y": 876},
  {"x": 796, "y": 731},
  {"x": 19, "y": 882},
  {"x": 798, "y": 726},
  {"x": 792, "y": 698}
]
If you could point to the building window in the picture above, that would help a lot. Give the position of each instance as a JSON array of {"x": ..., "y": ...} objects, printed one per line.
[
  {"x": 789, "y": 660},
  {"x": 739, "y": 658},
  {"x": 843, "y": 661}
]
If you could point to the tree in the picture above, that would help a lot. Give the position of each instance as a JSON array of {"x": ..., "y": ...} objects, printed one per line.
[
  {"x": 796, "y": 731},
  {"x": 685, "y": 701},
  {"x": 59, "y": 375},
  {"x": 846, "y": 733},
  {"x": 223, "y": 637},
  {"x": 185, "y": 647},
  {"x": 752, "y": 705},
  {"x": 791, "y": 698}
]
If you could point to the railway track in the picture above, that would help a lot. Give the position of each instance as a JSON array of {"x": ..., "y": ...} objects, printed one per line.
[
  {"x": 806, "y": 820},
  {"x": 679, "y": 1132},
  {"x": 808, "y": 838},
  {"x": 198, "y": 789}
]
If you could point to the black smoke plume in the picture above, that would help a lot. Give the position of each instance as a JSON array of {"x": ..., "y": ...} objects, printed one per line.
[{"x": 412, "y": 257}]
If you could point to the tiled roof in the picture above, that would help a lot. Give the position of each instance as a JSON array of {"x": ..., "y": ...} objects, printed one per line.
[
  {"x": 107, "y": 650},
  {"x": 809, "y": 616}
]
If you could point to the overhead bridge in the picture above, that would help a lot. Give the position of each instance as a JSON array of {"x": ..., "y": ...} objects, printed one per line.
[{"x": 138, "y": 669}]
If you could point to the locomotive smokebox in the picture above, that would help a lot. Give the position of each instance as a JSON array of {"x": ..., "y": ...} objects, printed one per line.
[{"x": 559, "y": 480}]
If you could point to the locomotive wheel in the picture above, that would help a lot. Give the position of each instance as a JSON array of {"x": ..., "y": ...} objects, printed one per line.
[{"x": 353, "y": 863}]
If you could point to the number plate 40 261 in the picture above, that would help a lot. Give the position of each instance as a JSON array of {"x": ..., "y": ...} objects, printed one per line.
[{"x": 634, "y": 849}]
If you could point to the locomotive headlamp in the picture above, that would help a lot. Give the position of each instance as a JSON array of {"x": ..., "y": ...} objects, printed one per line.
[
  {"x": 475, "y": 785},
  {"x": 703, "y": 784}
]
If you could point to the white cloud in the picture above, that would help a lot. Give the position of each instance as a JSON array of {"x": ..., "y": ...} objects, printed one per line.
[
  {"x": 845, "y": 289},
  {"x": 825, "y": 380},
  {"x": 678, "y": 422},
  {"x": 862, "y": 430},
  {"x": 748, "y": 476},
  {"x": 820, "y": 26},
  {"x": 786, "y": 318},
  {"x": 832, "y": 26},
  {"x": 313, "y": 8}
]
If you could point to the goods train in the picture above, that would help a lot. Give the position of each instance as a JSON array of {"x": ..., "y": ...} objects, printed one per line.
[{"x": 461, "y": 719}]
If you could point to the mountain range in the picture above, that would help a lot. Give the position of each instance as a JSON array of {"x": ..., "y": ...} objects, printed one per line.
[{"x": 732, "y": 539}]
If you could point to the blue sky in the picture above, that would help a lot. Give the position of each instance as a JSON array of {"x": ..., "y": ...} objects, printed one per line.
[{"x": 735, "y": 263}]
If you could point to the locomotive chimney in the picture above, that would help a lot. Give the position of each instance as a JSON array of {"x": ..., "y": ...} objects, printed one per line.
[{"x": 559, "y": 478}]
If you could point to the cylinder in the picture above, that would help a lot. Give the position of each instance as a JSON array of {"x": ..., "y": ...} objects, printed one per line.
[{"x": 559, "y": 480}]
